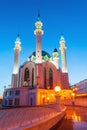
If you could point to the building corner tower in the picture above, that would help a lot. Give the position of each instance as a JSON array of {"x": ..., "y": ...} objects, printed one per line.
[
  {"x": 38, "y": 32},
  {"x": 63, "y": 54},
  {"x": 17, "y": 50}
]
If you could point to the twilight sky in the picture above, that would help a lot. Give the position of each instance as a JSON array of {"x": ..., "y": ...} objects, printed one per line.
[{"x": 58, "y": 16}]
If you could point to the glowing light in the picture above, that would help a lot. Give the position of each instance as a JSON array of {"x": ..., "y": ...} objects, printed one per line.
[
  {"x": 57, "y": 89},
  {"x": 52, "y": 94},
  {"x": 75, "y": 89},
  {"x": 43, "y": 96},
  {"x": 73, "y": 94},
  {"x": 64, "y": 92},
  {"x": 76, "y": 117},
  {"x": 48, "y": 98}
]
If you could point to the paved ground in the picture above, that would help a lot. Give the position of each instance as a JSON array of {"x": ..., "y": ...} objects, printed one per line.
[{"x": 76, "y": 119}]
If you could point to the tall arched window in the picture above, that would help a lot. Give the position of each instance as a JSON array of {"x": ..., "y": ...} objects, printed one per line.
[
  {"x": 45, "y": 78},
  {"x": 32, "y": 77},
  {"x": 26, "y": 76},
  {"x": 51, "y": 79}
]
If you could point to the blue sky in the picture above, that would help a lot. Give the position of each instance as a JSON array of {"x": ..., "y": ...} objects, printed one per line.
[{"x": 58, "y": 16}]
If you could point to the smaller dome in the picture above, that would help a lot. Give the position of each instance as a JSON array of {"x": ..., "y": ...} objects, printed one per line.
[{"x": 55, "y": 50}]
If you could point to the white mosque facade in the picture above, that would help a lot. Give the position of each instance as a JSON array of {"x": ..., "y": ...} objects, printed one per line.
[{"x": 33, "y": 82}]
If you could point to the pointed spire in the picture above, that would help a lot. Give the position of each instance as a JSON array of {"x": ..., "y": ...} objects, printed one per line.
[
  {"x": 62, "y": 38},
  {"x": 18, "y": 34},
  {"x": 38, "y": 15},
  {"x": 18, "y": 37}
]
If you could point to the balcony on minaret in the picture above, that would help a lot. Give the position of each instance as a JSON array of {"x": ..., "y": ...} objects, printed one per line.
[
  {"x": 17, "y": 44},
  {"x": 62, "y": 43},
  {"x": 38, "y": 29}
]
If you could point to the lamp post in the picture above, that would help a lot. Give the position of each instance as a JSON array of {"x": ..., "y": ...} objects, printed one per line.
[
  {"x": 57, "y": 95},
  {"x": 73, "y": 98}
]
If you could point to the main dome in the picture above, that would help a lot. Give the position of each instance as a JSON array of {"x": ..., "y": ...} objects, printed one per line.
[{"x": 45, "y": 56}]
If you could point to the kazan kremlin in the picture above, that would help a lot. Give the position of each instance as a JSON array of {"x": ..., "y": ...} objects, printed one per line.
[{"x": 33, "y": 83}]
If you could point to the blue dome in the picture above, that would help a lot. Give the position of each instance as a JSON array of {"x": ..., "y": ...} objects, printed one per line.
[
  {"x": 44, "y": 53},
  {"x": 55, "y": 50}
]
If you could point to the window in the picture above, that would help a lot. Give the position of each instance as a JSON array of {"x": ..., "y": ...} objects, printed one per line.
[
  {"x": 11, "y": 93},
  {"x": 51, "y": 79},
  {"x": 7, "y": 93},
  {"x": 10, "y": 102},
  {"x": 17, "y": 101},
  {"x": 6, "y": 102},
  {"x": 17, "y": 92},
  {"x": 27, "y": 76}
]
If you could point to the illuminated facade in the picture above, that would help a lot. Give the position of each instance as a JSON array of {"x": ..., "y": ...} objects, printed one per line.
[{"x": 36, "y": 79}]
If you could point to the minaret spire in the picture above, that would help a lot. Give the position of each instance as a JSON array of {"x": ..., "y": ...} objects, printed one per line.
[
  {"x": 63, "y": 54},
  {"x": 18, "y": 35},
  {"x": 17, "y": 50},
  {"x": 39, "y": 15},
  {"x": 38, "y": 32}
]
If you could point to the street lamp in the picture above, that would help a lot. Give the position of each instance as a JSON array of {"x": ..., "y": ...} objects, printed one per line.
[
  {"x": 73, "y": 98},
  {"x": 57, "y": 96},
  {"x": 57, "y": 90}
]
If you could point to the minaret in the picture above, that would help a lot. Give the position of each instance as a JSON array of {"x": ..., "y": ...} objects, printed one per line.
[
  {"x": 55, "y": 58},
  {"x": 17, "y": 50},
  {"x": 38, "y": 32},
  {"x": 63, "y": 54}
]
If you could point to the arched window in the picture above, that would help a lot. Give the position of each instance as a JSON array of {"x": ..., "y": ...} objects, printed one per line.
[
  {"x": 32, "y": 77},
  {"x": 26, "y": 76},
  {"x": 45, "y": 78},
  {"x": 51, "y": 79}
]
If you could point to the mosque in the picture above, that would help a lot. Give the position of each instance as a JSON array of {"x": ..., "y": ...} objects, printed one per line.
[{"x": 33, "y": 82}]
